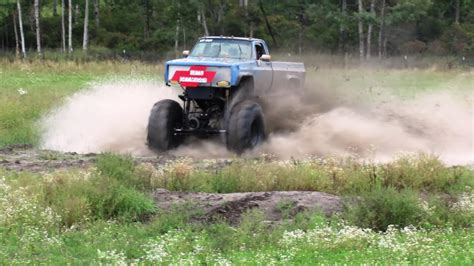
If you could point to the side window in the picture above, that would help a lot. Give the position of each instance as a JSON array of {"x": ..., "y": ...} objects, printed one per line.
[{"x": 260, "y": 50}]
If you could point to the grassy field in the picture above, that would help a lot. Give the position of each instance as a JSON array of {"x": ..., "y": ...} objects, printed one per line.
[{"x": 413, "y": 210}]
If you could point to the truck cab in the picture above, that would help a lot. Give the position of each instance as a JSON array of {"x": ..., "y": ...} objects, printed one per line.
[{"x": 229, "y": 57}]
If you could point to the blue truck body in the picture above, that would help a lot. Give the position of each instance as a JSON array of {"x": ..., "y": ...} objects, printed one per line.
[
  {"x": 265, "y": 74},
  {"x": 225, "y": 82}
]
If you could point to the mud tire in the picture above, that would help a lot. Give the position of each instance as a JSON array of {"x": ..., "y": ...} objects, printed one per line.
[
  {"x": 245, "y": 127},
  {"x": 165, "y": 116}
]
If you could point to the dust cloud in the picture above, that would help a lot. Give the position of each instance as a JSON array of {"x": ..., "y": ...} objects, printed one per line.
[
  {"x": 112, "y": 116},
  {"x": 439, "y": 124},
  {"x": 108, "y": 116}
]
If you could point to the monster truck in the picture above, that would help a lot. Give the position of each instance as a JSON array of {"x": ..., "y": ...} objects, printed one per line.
[{"x": 223, "y": 81}]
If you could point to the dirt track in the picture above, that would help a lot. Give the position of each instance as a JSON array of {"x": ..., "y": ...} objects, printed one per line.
[{"x": 26, "y": 158}]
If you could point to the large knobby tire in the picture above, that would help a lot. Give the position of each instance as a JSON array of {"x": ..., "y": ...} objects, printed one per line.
[
  {"x": 165, "y": 116},
  {"x": 245, "y": 127}
]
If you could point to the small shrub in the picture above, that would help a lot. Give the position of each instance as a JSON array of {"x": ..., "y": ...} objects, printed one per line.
[
  {"x": 178, "y": 217},
  {"x": 442, "y": 212},
  {"x": 66, "y": 194},
  {"x": 130, "y": 204},
  {"x": 177, "y": 175},
  {"x": 383, "y": 207},
  {"x": 111, "y": 193},
  {"x": 224, "y": 182},
  {"x": 108, "y": 199},
  {"x": 115, "y": 166}
]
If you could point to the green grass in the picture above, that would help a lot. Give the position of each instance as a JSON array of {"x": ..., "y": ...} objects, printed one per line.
[
  {"x": 331, "y": 175},
  {"x": 46, "y": 86},
  {"x": 249, "y": 244},
  {"x": 105, "y": 214}
]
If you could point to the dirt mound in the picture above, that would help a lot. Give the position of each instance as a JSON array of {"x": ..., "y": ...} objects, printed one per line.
[{"x": 275, "y": 205}]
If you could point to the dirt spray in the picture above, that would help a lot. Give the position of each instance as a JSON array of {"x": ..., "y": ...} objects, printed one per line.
[{"x": 112, "y": 116}]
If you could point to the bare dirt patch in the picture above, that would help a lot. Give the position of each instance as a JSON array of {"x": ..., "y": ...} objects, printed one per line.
[
  {"x": 275, "y": 205},
  {"x": 22, "y": 157}
]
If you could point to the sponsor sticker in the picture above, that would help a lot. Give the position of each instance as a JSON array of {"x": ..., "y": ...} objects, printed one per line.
[{"x": 194, "y": 76}]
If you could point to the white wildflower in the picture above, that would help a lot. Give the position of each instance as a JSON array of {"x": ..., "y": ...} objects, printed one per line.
[
  {"x": 155, "y": 252},
  {"x": 427, "y": 208},
  {"x": 290, "y": 237},
  {"x": 112, "y": 257},
  {"x": 409, "y": 230},
  {"x": 465, "y": 202},
  {"x": 21, "y": 91},
  {"x": 352, "y": 232}
]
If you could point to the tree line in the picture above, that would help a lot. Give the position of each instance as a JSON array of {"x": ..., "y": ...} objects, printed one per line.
[{"x": 369, "y": 28}]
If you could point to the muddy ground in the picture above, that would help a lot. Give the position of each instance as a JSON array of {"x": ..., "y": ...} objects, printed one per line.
[
  {"x": 25, "y": 158},
  {"x": 275, "y": 206}
]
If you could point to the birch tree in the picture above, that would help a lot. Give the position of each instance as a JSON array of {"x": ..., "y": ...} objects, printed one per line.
[
  {"x": 369, "y": 29},
  {"x": 38, "y": 28},
  {"x": 22, "y": 35},
  {"x": 86, "y": 27},
  {"x": 457, "y": 7},
  {"x": 55, "y": 7},
  {"x": 267, "y": 23},
  {"x": 176, "y": 39},
  {"x": 361, "y": 31},
  {"x": 63, "y": 27},
  {"x": 342, "y": 27},
  {"x": 97, "y": 13},
  {"x": 17, "y": 43},
  {"x": 202, "y": 16},
  {"x": 77, "y": 13},
  {"x": 70, "y": 26},
  {"x": 381, "y": 29},
  {"x": 147, "y": 10}
]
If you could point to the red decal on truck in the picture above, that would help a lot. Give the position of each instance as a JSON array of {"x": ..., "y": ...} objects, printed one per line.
[{"x": 194, "y": 76}]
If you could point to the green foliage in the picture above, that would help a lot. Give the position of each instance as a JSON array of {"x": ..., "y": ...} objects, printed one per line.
[
  {"x": 151, "y": 25},
  {"x": 111, "y": 199},
  {"x": 408, "y": 11},
  {"x": 422, "y": 173},
  {"x": 115, "y": 166},
  {"x": 114, "y": 193},
  {"x": 380, "y": 208},
  {"x": 459, "y": 38}
]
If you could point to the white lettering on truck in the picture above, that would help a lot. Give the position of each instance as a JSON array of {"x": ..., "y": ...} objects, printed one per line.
[
  {"x": 193, "y": 79},
  {"x": 197, "y": 73}
]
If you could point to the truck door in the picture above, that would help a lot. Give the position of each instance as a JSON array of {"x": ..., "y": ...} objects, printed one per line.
[{"x": 264, "y": 73}]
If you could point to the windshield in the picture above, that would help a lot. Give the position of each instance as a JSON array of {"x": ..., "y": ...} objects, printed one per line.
[{"x": 222, "y": 48}]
